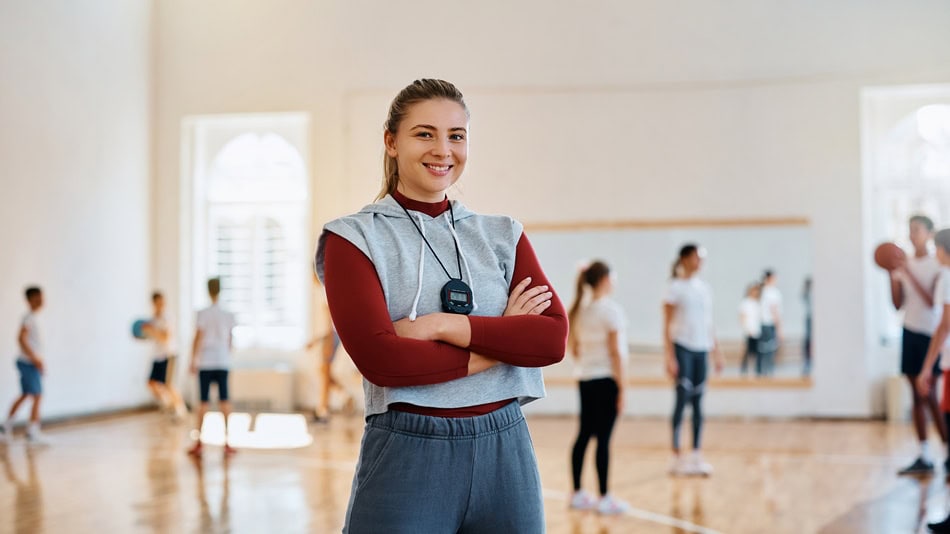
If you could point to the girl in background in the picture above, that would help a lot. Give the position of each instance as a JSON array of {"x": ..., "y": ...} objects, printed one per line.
[
  {"x": 688, "y": 339},
  {"x": 750, "y": 317},
  {"x": 598, "y": 342}
]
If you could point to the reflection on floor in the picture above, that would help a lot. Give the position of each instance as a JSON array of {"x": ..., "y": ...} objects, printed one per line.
[{"x": 130, "y": 474}]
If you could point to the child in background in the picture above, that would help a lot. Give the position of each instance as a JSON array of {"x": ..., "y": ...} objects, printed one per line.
[
  {"x": 211, "y": 356},
  {"x": 750, "y": 317},
  {"x": 31, "y": 365},
  {"x": 159, "y": 331}
]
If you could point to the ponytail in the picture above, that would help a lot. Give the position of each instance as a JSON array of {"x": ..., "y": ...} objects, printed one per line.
[{"x": 589, "y": 276}]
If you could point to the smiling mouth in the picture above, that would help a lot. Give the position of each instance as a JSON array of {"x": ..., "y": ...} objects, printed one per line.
[{"x": 438, "y": 168}]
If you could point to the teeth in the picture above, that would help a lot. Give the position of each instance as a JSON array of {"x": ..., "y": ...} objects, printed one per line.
[{"x": 440, "y": 168}]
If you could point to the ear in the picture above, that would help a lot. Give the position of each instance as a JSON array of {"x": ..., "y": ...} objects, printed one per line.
[{"x": 390, "y": 141}]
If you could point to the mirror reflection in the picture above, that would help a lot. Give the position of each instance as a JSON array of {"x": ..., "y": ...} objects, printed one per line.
[{"x": 759, "y": 276}]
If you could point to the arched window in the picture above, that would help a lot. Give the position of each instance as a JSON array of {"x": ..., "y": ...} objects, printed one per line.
[
  {"x": 255, "y": 204},
  {"x": 907, "y": 170}
]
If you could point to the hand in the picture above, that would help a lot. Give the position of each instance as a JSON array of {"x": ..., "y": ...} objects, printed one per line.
[
  {"x": 923, "y": 382},
  {"x": 524, "y": 301},
  {"x": 620, "y": 403},
  {"x": 672, "y": 368},
  {"x": 40, "y": 366},
  {"x": 193, "y": 367},
  {"x": 718, "y": 361}
]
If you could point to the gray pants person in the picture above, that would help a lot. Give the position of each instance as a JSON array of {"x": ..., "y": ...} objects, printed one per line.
[{"x": 419, "y": 473}]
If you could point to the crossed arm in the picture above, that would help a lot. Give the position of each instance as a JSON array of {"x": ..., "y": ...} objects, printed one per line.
[{"x": 440, "y": 347}]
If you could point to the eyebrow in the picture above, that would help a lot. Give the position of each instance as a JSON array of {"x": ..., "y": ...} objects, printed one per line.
[{"x": 430, "y": 127}]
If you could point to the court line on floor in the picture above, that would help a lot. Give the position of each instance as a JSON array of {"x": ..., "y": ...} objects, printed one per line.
[{"x": 645, "y": 515}]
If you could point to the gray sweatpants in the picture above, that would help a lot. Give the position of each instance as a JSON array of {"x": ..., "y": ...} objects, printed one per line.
[{"x": 419, "y": 473}]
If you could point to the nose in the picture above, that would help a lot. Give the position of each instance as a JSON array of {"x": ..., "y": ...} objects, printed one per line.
[{"x": 442, "y": 148}]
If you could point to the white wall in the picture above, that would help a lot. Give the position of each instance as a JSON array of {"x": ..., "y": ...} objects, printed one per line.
[
  {"x": 74, "y": 211},
  {"x": 641, "y": 110}
]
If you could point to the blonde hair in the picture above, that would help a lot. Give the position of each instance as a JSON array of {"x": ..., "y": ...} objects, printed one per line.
[{"x": 418, "y": 91}]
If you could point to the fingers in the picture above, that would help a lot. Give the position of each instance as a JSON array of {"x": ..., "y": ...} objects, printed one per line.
[
  {"x": 518, "y": 290},
  {"x": 532, "y": 297}
]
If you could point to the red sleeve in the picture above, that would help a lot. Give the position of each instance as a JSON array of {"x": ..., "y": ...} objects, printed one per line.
[
  {"x": 524, "y": 340},
  {"x": 359, "y": 312}
]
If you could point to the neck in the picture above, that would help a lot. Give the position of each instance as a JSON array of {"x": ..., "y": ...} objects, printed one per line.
[
  {"x": 920, "y": 252},
  {"x": 420, "y": 196},
  {"x": 432, "y": 209}
]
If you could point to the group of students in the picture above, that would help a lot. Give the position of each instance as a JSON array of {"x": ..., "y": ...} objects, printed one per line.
[
  {"x": 598, "y": 344},
  {"x": 920, "y": 287},
  {"x": 210, "y": 361}
]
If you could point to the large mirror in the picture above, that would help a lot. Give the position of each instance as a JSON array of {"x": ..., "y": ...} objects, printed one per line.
[{"x": 738, "y": 253}]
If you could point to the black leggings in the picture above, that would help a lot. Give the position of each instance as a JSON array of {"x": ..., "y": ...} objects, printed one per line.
[
  {"x": 690, "y": 384},
  {"x": 598, "y": 415}
]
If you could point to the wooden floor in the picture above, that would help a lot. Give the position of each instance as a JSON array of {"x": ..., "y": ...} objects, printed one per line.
[{"x": 130, "y": 474}]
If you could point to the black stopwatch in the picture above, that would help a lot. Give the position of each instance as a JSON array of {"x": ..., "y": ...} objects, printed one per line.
[{"x": 457, "y": 297}]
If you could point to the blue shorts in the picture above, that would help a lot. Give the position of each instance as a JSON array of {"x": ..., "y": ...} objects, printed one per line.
[
  {"x": 208, "y": 376},
  {"x": 30, "y": 382}
]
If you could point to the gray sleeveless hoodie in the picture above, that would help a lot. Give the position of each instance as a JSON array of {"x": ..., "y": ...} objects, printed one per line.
[{"x": 411, "y": 279}]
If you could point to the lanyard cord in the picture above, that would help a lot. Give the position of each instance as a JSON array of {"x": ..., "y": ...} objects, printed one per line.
[{"x": 458, "y": 258}]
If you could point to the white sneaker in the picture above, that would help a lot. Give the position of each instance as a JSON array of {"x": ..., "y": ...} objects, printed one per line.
[
  {"x": 679, "y": 466},
  {"x": 35, "y": 437},
  {"x": 698, "y": 466},
  {"x": 610, "y": 505},
  {"x": 581, "y": 500},
  {"x": 6, "y": 431}
]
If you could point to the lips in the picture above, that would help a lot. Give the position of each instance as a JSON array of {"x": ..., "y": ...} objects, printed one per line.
[{"x": 438, "y": 169}]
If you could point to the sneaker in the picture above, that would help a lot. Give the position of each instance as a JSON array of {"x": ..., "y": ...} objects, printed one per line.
[
  {"x": 679, "y": 466},
  {"x": 6, "y": 431},
  {"x": 35, "y": 437},
  {"x": 610, "y": 505},
  {"x": 698, "y": 466},
  {"x": 942, "y": 526},
  {"x": 919, "y": 467},
  {"x": 581, "y": 500}
]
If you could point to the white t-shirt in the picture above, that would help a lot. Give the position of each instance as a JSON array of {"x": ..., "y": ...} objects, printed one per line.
[
  {"x": 215, "y": 325},
  {"x": 594, "y": 322},
  {"x": 692, "y": 319},
  {"x": 918, "y": 317},
  {"x": 162, "y": 350},
  {"x": 771, "y": 298},
  {"x": 750, "y": 312},
  {"x": 941, "y": 299},
  {"x": 32, "y": 337}
]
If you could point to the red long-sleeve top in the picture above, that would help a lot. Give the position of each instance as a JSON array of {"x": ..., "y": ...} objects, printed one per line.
[{"x": 362, "y": 320}]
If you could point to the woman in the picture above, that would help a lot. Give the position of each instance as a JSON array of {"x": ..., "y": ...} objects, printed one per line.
[
  {"x": 598, "y": 342},
  {"x": 688, "y": 339},
  {"x": 448, "y": 316}
]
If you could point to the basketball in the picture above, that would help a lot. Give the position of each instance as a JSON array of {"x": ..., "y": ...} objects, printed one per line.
[
  {"x": 889, "y": 256},
  {"x": 138, "y": 329}
]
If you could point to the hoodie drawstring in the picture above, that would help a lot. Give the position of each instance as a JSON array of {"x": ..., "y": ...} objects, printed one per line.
[{"x": 422, "y": 262}]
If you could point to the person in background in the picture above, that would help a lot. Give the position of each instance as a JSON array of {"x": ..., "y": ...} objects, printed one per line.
[
  {"x": 598, "y": 342},
  {"x": 750, "y": 318},
  {"x": 159, "y": 330},
  {"x": 32, "y": 365},
  {"x": 688, "y": 340},
  {"x": 913, "y": 287},
  {"x": 772, "y": 334},
  {"x": 211, "y": 359},
  {"x": 806, "y": 341}
]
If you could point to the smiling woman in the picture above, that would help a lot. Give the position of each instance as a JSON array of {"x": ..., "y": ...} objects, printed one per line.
[{"x": 446, "y": 365}]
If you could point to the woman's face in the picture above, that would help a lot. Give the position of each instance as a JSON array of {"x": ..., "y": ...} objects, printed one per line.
[
  {"x": 430, "y": 147},
  {"x": 693, "y": 262}
]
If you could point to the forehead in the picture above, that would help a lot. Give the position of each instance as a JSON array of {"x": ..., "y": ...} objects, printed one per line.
[
  {"x": 917, "y": 225},
  {"x": 441, "y": 113}
]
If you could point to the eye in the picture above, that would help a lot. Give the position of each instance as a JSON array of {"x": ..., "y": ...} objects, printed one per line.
[
  {"x": 424, "y": 135},
  {"x": 457, "y": 137}
]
